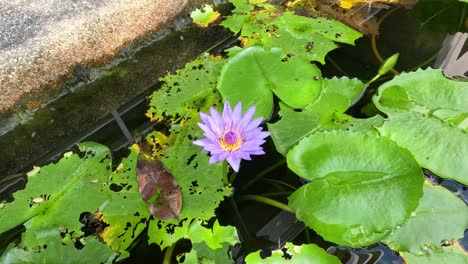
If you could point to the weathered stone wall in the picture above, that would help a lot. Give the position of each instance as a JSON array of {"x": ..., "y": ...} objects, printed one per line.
[{"x": 42, "y": 41}]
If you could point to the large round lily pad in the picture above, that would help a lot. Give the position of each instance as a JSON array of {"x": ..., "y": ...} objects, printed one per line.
[{"x": 363, "y": 186}]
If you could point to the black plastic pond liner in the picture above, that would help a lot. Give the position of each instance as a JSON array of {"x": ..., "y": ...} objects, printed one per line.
[{"x": 282, "y": 228}]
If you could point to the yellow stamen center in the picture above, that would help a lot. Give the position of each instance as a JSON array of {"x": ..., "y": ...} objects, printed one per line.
[{"x": 230, "y": 141}]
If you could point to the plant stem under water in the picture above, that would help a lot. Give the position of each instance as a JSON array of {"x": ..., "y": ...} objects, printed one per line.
[
  {"x": 268, "y": 201},
  {"x": 262, "y": 174}
]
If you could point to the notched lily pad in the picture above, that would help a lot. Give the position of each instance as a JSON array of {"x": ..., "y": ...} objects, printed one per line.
[
  {"x": 159, "y": 189},
  {"x": 428, "y": 114}
]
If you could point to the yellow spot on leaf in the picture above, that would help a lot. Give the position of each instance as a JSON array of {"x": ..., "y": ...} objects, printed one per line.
[
  {"x": 34, "y": 171},
  {"x": 38, "y": 200},
  {"x": 205, "y": 16}
]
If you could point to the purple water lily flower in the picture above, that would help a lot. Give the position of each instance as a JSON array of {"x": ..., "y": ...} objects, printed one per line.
[{"x": 231, "y": 136}]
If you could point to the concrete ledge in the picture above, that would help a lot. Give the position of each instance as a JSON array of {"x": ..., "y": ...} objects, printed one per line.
[{"x": 42, "y": 41}]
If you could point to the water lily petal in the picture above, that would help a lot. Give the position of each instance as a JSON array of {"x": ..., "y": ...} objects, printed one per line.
[{"x": 234, "y": 162}]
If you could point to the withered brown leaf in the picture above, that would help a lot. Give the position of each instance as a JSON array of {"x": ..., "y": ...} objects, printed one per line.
[{"x": 159, "y": 189}]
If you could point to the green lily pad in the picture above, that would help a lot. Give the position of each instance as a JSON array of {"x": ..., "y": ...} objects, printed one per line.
[
  {"x": 253, "y": 74},
  {"x": 338, "y": 95},
  {"x": 260, "y": 23},
  {"x": 183, "y": 90},
  {"x": 324, "y": 114},
  {"x": 363, "y": 186},
  {"x": 440, "y": 216},
  {"x": 307, "y": 253},
  {"x": 428, "y": 114},
  {"x": 46, "y": 200},
  {"x": 53, "y": 225},
  {"x": 54, "y": 251},
  {"x": 310, "y": 38}
]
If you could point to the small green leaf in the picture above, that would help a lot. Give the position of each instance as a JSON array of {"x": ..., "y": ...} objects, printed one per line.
[
  {"x": 310, "y": 45},
  {"x": 307, "y": 253},
  {"x": 428, "y": 114},
  {"x": 214, "y": 238},
  {"x": 204, "y": 16},
  {"x": 253, "y": 74},
  {"x": 354, "y": 175},
  {"x": 235, "y": 22},
  {"x": 310, "y": 38},
  {"x": 440, "y": 216},
  {"x": 240, "y": 16},
  {"x": 211, "y": 245}
]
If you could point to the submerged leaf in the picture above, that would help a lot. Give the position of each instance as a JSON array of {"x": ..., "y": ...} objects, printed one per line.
[
  {"x": 454, "y": 254},
  {"x": 440, "y": 216},
  {"x": 215, "y": 237},
  {"x": 54, "y": 186},
  {"x": 159, "y": 189}
]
